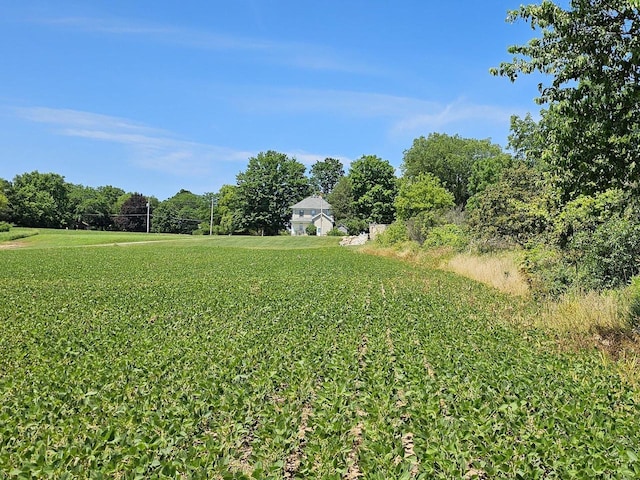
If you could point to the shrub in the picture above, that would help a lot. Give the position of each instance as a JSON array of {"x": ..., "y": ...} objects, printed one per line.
[
  {"x": 356, "y": 226},
  {"x": 610, "y": 256},
  {"x": 394, "y": 234},
  {"x": 5, "y": 227},
  {"x": 449, "y": 235},
  {"x": 546, "y": 270},
  {"x": 334, "y": 232},
  {"x": 512, "y": 210},
  {"x": 311, "y": 229},
  {"x": 634, "y": 302}
]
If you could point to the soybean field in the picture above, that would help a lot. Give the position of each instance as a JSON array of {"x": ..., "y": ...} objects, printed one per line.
[{"x": 230, "y": 358}]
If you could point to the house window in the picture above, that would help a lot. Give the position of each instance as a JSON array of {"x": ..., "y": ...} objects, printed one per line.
[
  {"x": 301, "y": 213},
  {"x": 313, "y": 212}
]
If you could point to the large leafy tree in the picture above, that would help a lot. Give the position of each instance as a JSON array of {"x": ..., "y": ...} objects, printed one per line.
[
  {"x": 422, "y": 194},
  {"x": 326, "y": 174},
  {"x": 181, "y": 213},
  {"x": 133, "y": 214},
  {"x": 38, "y": 200},
  {"x": 88, "y": 207},
  {"x": 227, "y": 215},
  {"x": 591, "y": 55},
  {"x": 267, "y": 189},
  {"x": 341, "y": 200},
  {"x": 449, "y": 158},
  {"x": 374, "y": 187}
]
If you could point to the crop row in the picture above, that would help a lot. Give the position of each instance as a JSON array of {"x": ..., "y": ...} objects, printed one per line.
[{"x": 185, "y": 360}]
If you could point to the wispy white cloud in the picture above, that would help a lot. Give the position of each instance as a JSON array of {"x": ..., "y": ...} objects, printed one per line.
[
  {"x": 405, "y": 115},
  {"x": 150, "y": 148},
  {"x": 293, "y": 54}
]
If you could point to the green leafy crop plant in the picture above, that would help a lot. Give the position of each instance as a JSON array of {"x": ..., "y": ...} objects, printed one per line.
[{"x": 222, "y": 358}]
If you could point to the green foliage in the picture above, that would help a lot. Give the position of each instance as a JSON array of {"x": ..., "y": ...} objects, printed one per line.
[
  {"x": 487, "y": 171},
  {"x": 4, "y": 206},
  {"x": 394, "y": 234},
  {"x": 597, "y": 240},
  {"x": 547, "y": 270},
  {"x": 92, "y": 208},
  {"x": 633, "y": 292},
  {"x": 227, "y": 211},
  {"x": 341, "y": 200},
  {"x": 449, "y": 158},
  {"x": 228, "y": 357},
  {"x": 5, "y": 226},
  {"x": 334, "y": 232},
  {"x": 38, "y": 200},
  {"x": 373, "y": 183},
  {"x": 586, "y": 213},
  {"x": 423, "y": 193},
  {"x": 181, "y": 213},
  {"x": 591, "y": 128},
  {"x": 355, "y": 226},
  {"x": 267, "y": 189},
  {"x": 448, "y": 235},
  {"x": 609, "y": 256},
  {"x": 311, "y": 229},
  {"x": 513, "y": 210},
  {"x": 326, "y": 174}
]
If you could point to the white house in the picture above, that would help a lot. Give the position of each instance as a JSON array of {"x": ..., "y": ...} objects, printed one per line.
[{"x": 314, "y": 209}]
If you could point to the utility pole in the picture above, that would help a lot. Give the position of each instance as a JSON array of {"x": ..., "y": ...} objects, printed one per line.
[
  {"x": 211, "y": 220},
  {"x": 147, "y": 217},
  {"x": 321, "y": 226}
]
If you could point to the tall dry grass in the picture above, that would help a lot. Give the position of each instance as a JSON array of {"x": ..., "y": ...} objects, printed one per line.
[
  {"x": 585, "y": 313},
  {"x": 500, "y": 271}
]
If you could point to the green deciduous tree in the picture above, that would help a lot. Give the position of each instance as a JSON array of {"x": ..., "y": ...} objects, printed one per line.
[
  {"x": 227, "y": 211},
  {"x": 341, "y": 200},
  {"x": 267, "y": 189},
  {"x": 591, "y": 54},
  {"x": 38, "y": 200},
  {"x": 512, "y": 210},
  {"x": 88, "y": 208},
  {"x": 423, "y": 193},
  {"x": 181, "y": 213},
  {"x": 450, "y": 158},
  {"x": 326, "y": 174},
  {"x": 374, "y": 187}
]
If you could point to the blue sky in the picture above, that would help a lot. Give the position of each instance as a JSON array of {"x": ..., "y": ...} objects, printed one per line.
[{"x": 158, "y": 96}]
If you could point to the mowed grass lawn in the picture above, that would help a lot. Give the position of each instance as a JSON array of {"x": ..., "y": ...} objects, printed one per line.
[{"x": 286, "y": 358}]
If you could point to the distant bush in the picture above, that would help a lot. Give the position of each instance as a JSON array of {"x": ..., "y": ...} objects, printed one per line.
[
  {"x": 311, "y": 229},
  {"x": 394, "y": 234},
  {"x": 334, "y": 232},
  {"x": 356, "y": 226},
  {"x": 5, "y": 227},
  {"x": 448, "y": 235}
]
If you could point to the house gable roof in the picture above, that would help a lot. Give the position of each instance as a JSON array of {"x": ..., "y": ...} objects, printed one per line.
[{"x": 312, "y": 202}]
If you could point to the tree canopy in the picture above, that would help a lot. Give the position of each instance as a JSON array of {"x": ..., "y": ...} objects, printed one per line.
[
  {"x": 133, "y": 214},
  {"x": 449, "y": 158},
  {"x": 326, "y": 174},
  {"x": 181, "y": 213},
  {"x": 373, "y": 183},
  {"x": 591, "y": 53},
  {"x": 39, "y": 200},
  {"x": 271, "y": 183},
  {"x": 421, "y": 194}
]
